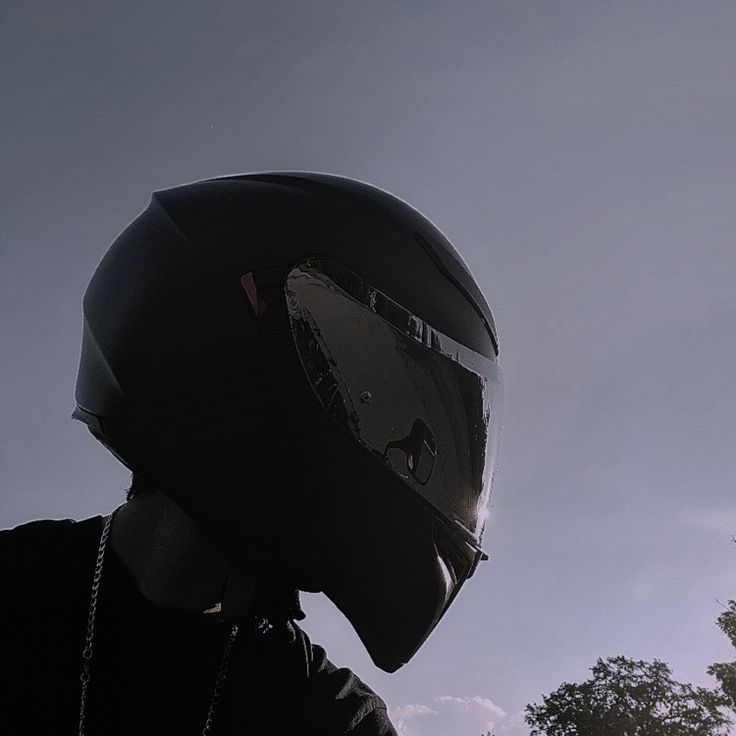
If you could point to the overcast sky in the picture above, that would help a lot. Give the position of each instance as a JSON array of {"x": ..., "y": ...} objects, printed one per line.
[{"x": 580, "y": 155}]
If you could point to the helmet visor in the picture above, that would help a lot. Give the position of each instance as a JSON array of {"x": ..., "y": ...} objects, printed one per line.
[{"x": 427, "y": 407}]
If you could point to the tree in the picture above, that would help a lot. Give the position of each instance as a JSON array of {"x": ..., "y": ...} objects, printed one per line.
[
  {"x": 725, "y": 672},
  {"x": 627, "y": 697}
]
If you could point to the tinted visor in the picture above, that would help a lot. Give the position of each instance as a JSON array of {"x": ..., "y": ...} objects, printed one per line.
[{"x": 424, "y": 405}]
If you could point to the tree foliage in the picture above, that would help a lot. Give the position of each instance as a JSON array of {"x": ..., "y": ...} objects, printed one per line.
[
  {"x": 725, "y": 672},
  {"x": 627, "y": 697}
]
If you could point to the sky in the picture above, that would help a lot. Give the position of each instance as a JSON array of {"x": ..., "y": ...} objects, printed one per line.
[{"x": 579, "y": 154}]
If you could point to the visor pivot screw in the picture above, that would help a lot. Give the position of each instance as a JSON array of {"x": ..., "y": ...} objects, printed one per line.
[{"x": 366, "y": 397}]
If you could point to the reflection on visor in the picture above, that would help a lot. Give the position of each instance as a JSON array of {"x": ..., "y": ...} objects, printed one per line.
[{"x": 427, "y": 406}]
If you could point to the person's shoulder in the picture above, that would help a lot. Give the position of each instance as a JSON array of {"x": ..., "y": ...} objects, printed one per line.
[
  {"x": 44, "y": 553},
  {"x": 45, "y": 533},
  {"x": 339, "y": 701}
]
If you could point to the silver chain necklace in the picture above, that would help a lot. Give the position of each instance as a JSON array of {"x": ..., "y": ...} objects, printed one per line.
[{"x": 89, "y": 640}]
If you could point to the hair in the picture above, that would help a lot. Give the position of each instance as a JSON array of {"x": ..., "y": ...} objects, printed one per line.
[{"x": 139, "y": 486}]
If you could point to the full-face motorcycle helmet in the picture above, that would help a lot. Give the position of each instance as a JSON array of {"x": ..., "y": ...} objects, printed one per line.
[{"x": 306, "y": 366}]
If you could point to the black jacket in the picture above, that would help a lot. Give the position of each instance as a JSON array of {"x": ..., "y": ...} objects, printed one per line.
[{"x": 153, "y": 669}]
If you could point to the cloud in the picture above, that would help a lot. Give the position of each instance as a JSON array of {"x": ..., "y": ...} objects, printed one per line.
[{"x": 448, "y": 714}]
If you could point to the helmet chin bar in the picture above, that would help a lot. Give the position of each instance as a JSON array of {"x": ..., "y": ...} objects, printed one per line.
[{"x": 393, "y": 568}]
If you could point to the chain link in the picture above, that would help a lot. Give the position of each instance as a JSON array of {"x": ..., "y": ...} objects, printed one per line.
[
  {"x": 87, "y": 651},
  {"x": 86, "y": 675},
  {"x": 219, "y": 682}
]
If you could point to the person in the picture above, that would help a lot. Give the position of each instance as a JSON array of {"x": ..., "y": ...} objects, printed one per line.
[{"x": 302, "y": 376}]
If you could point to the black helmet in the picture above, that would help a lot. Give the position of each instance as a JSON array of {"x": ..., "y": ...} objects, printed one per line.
[{"x": 306, "y": 366}]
